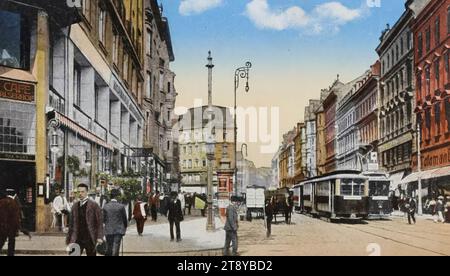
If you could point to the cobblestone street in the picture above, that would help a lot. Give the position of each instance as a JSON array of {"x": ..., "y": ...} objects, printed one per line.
[{"x": 309, "y": 236}]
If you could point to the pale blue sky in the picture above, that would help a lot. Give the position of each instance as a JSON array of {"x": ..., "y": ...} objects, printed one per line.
[{"x": 297, "y": 47}]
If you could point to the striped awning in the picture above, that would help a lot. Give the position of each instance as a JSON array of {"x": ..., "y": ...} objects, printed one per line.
[
  {"x": 81, "y": 131},
  {"x": 426, "y": 175}
]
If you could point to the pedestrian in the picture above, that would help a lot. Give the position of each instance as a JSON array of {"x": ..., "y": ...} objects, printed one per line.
[
  {"x": 183, "y": 202},
  {"x": 269, "y": 216},
  {"x": 411, "y": 210},
  {"x": 154, "y": 205},
  {"x": 289, "y": 206},
  {"x": 189, "y": 200},
  {"x": 100, "y": 198},
  {"x": 440, "y": 208},
  {"x": 116, "y": 223},
  {"x": 86, "y": 223},
  {"x": 447, "y": 209},
  {"x": 140, "y": 214},
  {"x": 231, "y": 228},
  {"x": 10, "y": 221},
  {"x": 203, "y": 210},
  {"x": 60, "y": 210},
  {"x": 175, "y": 215},
  {"x": 431, "y": 206}
]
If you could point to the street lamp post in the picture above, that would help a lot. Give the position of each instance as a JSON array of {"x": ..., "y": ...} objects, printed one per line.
[
  {"x": 240, "y": 73},
  {"x": 210, "y": 152},
  {"x": 243, "y": 163}
]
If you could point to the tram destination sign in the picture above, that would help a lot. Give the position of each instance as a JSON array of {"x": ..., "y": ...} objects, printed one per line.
[{"x": 16, "y": 91}]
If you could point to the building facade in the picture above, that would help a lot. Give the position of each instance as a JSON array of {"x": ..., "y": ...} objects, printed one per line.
[
  {"x": 159, "y": 97},
  {"x": 366, "y": 119},
  {"x": 431, "y": 51},
  {"x": 311, "y": 135},
  {"x": 320, "y": 134},
  {"x": 287, "y": 160},
  {"x": 397, "y": 98},
  {"x": 298, "y": 171},
  {"x": 193, "y": 133},
  {"x": 329, "y": 107},
  {"x": 347, "y": 143}
]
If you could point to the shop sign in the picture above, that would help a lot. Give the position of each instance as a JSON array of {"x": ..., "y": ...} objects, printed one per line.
[{"x": 16, "y": 91}]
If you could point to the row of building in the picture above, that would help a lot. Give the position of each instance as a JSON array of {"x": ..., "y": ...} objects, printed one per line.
[
  {"x": 86, "y": 89},
  {"x": 383, "y": 120}
]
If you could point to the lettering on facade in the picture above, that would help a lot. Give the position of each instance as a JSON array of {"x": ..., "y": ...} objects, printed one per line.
[
  {"x": 432, "y": 160},
  {"x": 16, "y": 91},
  {"x": 16, "y": 156}
]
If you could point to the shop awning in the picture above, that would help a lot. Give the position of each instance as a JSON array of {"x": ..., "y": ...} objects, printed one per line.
[
  {"x": 81, "y": 131},
  {"x": 426, "y": 175},
  {"x": 396, "y": 179}
]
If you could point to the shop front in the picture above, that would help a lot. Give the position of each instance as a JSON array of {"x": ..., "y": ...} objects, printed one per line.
[{"x": 17, "y": 143}]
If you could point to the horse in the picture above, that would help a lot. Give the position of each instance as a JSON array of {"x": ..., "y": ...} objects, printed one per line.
[{"x": 10, "y": 220}]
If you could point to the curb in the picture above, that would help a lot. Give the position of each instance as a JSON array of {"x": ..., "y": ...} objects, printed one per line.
[{"x": 203, "y": 252}]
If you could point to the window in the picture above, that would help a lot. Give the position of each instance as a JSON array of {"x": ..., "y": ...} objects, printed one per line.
[
  {"x": 396, "y": 53},
  {"x": 125, "y": 66},
  {"x": 190, "y": 163},
  {"x": 168, "y": 145},
  {"x": 204, "y": 163},
  {"x": 76, "y": 85},
  {"x": 409, "y": 73},
  {"x": 96, "y": 110},
  {"x": 448, "y": 20},
  {"x": 419, "y": 82},
  {"x": 115, "y": 50},
  {"x": 437, "y": 117},
  {"x": 447, "y": 113},
  {"x": 402, "y": 46},
  {"x": 148, "y": 93},
  {"x": 149, "y": 42},
  {"x": 428, "y": 39},
  {"x": 409, "y": 40},
  {"x": 161, "y": 81},
  {"x": 427, "y": 79},
  {"x": 14, "y": 40},
  {"x": 436, "y": 73},
  {"x": 420, "y": 45},
  {"x": 437, "y": 31},
  {"x": 168, "y": 87},
  {"x": 447, "y": 66},
  {"x": 102, "y": 26}
]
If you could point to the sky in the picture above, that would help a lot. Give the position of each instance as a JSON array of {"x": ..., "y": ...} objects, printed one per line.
[{"x": 296, "y": 47}]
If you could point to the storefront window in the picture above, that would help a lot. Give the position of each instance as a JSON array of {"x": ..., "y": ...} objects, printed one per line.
[{"x": 14, "y": 40}]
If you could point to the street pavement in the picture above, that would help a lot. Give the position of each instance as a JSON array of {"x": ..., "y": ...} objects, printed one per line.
[
  {"x": 314, "y": 237},
  {"x": 155, "y": 240}
]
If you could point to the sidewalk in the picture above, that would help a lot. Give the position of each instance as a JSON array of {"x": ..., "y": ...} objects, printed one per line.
[{"x": 196, "y": 241}]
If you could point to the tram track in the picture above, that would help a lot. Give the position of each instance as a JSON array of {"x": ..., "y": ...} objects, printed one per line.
[{"x": 394, "y": 240}]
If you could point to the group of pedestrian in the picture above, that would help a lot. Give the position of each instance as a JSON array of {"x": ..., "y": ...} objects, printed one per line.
[{"x": 438, "y": 209}]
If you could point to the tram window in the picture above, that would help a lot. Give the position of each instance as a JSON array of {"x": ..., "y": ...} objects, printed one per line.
[
  {"x": 358, "y": 189},
  {"x": 346, "y": 189},
  {"x": 379, "y": 188}
]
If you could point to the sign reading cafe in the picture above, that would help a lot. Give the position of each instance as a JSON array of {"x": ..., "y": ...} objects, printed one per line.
[{"x": 16, "y": 91}]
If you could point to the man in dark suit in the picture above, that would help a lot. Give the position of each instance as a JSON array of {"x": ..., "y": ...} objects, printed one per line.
[
  {"x": 86, "y": 224},
  {"x": 116, "y": 223},
  {"x": 10, "y": 221},
  {"x": 411, "y": 209},
  {"x": 175, "y": 215},
  {"x": 231, "y": 227}
]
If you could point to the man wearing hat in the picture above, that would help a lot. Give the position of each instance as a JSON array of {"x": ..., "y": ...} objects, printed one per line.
[
  {"x": 175, "y": 215},
  {"x": 440, "y": 210},
  {"x": 9, "y": 221},
  {"x": 115, "y": 218},
  {"x": 231, "y": 227}
]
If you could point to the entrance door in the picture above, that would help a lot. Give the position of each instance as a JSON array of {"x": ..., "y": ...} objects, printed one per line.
[{"x": 21, "y": 176}]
